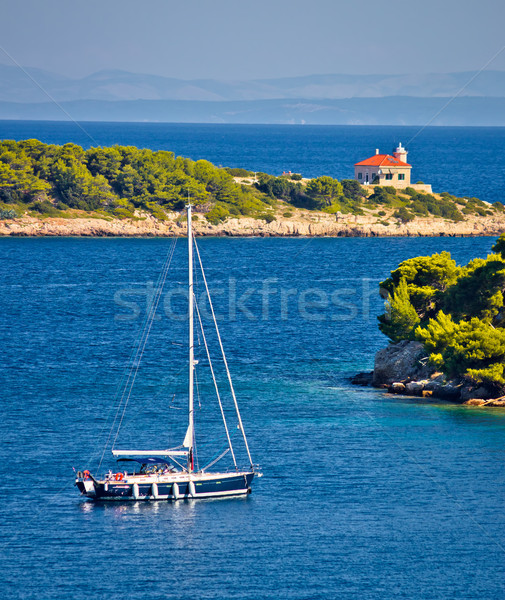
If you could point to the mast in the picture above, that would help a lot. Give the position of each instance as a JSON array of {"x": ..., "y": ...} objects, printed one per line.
[{"x": 188, "y": 440}]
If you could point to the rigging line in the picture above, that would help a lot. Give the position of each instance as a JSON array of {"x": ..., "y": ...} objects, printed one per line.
[
  {"x": 195, "y": 449},
  {"x": 216, "y": 460},
  {"x": 408, "y": 454},
  {"x": 119, "y": 386},
  {"x": 222, "y": 451},
  {"x": 155, "y": 397},
  {"x": 215, "y": 385},
  {"x": 153, "y": 312},
  {"x": 197, "y": 385},
  {"x": 44, "y": 91},
  {"x": 474, "y": 76},
  {"x": 224, "y": 358},
  {"x": 172, "y": 382},
  {"x": 134, "y": 356},
  {"x": 149, "y": 318}
]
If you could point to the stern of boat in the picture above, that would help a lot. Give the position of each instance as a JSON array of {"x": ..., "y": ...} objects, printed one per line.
[{"x": 85, "y": 483}]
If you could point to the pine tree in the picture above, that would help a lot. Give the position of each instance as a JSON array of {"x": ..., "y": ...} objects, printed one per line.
[{"x": 400, "y": 318}]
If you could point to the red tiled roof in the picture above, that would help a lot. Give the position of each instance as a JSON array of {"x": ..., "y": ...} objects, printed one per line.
[{"x": 381, "y": 160}]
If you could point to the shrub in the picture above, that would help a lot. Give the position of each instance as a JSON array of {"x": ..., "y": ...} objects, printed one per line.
[
  {"x": 278, "y": 187},
  {"x": 237, "y": 172},
  {"x": 45, "y": 208},
  {"x": 9, "y": 213},
  {"x": 333, "y": 208},
  {"x": 403, "y": 215},
  {"x": 382, "y": 196},
  {"x": 217, "y": 214},
  {"x": 353, "y": 190},
  {"x": 268, "y": 217},
  {"x": 287, "y": 214},
  {"x": 123, "y": 213},
  {"x": 296, "y": 176}
]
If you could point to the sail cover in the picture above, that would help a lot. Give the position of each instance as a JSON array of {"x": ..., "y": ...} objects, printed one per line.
[
  {"x": 188, "y": 438},
  {"x": 130, "y": 453},
  {"x": 152, "y": 460}
]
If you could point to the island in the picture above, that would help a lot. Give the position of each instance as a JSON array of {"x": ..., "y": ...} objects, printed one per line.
[
  {"x": 51, "y": 190},
  {"x": 446, "y": 326}
]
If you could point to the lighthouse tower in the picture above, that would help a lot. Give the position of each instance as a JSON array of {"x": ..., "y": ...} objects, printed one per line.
[{"x": 400, "y": 153}]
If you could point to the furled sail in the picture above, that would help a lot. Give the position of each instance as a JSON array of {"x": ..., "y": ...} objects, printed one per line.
[{"x": 188, "y": 438}]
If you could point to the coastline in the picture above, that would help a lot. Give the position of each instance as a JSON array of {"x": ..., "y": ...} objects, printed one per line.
[
  {"x": 402, "y": 369},
  {"x": 302, "y": 224}
]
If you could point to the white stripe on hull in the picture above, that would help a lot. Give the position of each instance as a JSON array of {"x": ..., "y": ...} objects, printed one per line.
[{"x": 243, "y": 492}]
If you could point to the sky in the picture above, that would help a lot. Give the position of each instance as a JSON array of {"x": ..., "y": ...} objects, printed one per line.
[{"x": 234, "y": 39}]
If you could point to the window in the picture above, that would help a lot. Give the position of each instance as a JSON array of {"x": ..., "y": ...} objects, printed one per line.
[
  {"x": 360, "y": 175},
  {"x": 389, "y": 176},
  {"x": 401, "y": 176}
]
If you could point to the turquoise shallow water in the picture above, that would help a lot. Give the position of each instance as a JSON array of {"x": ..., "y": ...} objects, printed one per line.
[{"x": 363, "y": 495}]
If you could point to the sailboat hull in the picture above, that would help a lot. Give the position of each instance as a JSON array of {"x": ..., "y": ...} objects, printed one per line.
[{"x": 175, "y": 488}]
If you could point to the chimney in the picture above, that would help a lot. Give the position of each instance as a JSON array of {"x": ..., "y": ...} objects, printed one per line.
[{"x": 376, "y": 150}]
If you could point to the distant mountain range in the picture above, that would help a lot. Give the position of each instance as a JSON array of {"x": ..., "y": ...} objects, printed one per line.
[{"x": 338, "y": 99}]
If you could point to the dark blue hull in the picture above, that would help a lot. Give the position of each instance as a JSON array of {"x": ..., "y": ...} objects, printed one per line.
[{"x": 221, "y": 485}]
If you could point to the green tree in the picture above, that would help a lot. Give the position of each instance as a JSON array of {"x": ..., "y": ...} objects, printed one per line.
[
  {"x": 427, "y": 278},
  {"x": 217, "y": 214},
  {"x": 400, "y": 318},
  {"x": 352, "y": 190},
  {"x": 325, "y": 189},
  {"x": 403, "y": 215},
  {"x": 499, "y": 246},
  {"x": 472, "y": 348},
  {"x": 478, "y": 291}
]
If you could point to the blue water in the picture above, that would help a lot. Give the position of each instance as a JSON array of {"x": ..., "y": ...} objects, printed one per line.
[
  {"x": 466, "y": 161},
  {"x": 363, "y": 496}
]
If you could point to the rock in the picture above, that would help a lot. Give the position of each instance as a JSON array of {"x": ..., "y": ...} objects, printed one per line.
[
  {"x": 303, "y": 223},
  {"x": 415, "y": 388},
  {"x": 397, "y": 388},
  {"x": 475, "y": 402},
  {"x": 468, "y": 392},
  {"x": 436, "y": 380},
  {"x": 427, "y": 394},
  {"x": 496, "y": 402},
  {"x": 448, "y": 392},
  {"x": 362, "y": 379},
  {"x": 398, "y": 362}
]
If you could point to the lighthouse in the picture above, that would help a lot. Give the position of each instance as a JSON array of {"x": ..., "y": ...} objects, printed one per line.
[{"x": 400, "y": 153}]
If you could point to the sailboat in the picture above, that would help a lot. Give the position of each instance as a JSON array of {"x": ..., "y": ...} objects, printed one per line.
[{"x": 171, "y": 473}]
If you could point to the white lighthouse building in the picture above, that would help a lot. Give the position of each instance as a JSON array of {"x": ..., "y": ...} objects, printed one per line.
[{"x": 387, "y": 169}]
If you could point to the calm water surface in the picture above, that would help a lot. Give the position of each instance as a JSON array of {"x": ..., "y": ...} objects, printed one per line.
[{"x": 363, "y": 495}]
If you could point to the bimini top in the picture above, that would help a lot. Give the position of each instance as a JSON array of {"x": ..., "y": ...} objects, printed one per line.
[
  {"x": 382, "y": 160},
  {"x": 151, "y": 460}
]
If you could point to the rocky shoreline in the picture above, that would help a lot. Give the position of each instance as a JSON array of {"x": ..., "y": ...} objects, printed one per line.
[
  {"x": 402, "y": 368},
  {"x": 301, "y": 224}
]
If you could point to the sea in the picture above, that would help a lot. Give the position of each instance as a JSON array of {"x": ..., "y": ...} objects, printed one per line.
[
  {"x": 465, "y": 161},
  {"x": 364, "y": 495}
]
